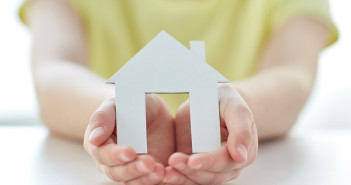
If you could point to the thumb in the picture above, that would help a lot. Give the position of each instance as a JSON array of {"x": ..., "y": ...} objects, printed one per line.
[
  {"x": 102, "y": 123},
  {"x": 239, "y": 120}
]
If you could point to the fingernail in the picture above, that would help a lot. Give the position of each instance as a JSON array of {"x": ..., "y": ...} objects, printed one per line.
[
  {"x": 242, "y": 150},
  {"x": 97, "y": 132},
  {"x": 124, "y": 157},
  {"x": 142, "y": 167},
  {"x": 154, "y": 177},
  {"x": 180, "y": 166}
]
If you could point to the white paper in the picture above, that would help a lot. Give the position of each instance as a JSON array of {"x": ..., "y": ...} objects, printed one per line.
[{"x": 164, "y": 65}]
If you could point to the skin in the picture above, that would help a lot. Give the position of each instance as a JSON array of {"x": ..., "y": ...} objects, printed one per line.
[{"x": 262, "y": 107}]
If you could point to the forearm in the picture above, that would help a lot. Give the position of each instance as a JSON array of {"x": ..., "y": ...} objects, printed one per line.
[
  {"x": 68, "y": 94},
  {"x": 276, "y": 97},
  {"x": 285, "y": 77}
]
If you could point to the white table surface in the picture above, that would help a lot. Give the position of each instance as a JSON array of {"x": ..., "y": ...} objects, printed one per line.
[{"x": 29, "y": 155}]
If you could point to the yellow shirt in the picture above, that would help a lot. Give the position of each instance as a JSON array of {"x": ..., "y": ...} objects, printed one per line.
[{"x": 235, "y": 31}]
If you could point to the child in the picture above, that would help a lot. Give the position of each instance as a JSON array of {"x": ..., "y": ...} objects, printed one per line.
[{"x": 268, "y": 49}]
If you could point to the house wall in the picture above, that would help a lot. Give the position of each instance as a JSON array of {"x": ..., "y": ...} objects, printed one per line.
[
  {"x": 204, "y": 117},
  {"x": 131, "y": 117}
]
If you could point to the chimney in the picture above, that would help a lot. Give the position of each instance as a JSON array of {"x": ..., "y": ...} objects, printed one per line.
[{"x": 198, "y": 48}]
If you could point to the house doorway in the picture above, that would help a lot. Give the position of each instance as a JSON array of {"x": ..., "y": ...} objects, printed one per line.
[{"x": 180, "y": 129}]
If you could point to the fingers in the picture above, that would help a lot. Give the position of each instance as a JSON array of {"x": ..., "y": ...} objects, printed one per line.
[
  {"x": 172, "y": 176},
  {"x": 102, "y": 124},
  {"x": 181, "y": 163},
  {"x": 218, "y": 161},
  {"x": 142, "y": 171},
  {"x": 143, "y": 165},
  {"x": 112, "y": 154},
  {"x": 152, "y": 178},
  {"x": 121, "y": 164}
]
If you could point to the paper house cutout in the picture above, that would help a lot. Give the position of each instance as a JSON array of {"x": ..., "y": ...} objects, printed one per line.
[{"x": 164, "y": 65}]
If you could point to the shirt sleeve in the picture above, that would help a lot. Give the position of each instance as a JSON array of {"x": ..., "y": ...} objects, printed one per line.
[
  {"x": 23, "y": 10},
  {"x": 282, "y": 10}
]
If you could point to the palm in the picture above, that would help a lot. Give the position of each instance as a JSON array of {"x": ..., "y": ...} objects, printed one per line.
[
  {"x": 160, "y": 129},
  {"x": 182, "y": 129}
]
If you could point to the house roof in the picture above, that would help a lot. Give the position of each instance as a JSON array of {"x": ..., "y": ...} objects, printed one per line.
[{"x": 164, "y": 52}]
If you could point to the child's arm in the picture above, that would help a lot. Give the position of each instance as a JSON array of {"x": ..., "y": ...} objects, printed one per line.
[
  {"x": 277, "y": 93},
  {"x": 68, "y": 93},
  {"x": 273, "y": 97}
]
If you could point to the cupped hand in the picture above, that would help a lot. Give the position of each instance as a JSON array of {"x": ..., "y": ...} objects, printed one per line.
[
  {"x": 121, "y": 163},
  {"x": 238, "y": 150}
]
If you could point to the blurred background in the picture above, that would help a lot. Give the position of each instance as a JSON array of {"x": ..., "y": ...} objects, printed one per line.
[{"x": 328, "y": 107}]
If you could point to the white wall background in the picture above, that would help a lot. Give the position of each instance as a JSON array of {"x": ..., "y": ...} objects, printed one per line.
[
  {"x": 329, "y": 105},
  {"x": 17, "y": 98}
]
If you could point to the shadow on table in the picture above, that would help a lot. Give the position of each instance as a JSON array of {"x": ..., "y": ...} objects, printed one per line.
[{"x": 62, "y": 161}]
